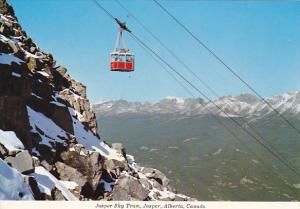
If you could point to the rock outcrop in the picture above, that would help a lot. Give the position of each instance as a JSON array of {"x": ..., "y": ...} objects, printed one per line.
[
  {"x": 22, "y": 161},
  {"x": 49, "y": 131},
  {"x": 129, "y": 188}
]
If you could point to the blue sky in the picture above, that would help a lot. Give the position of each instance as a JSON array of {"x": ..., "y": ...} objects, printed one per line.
[{"x": 260, "y": 40}]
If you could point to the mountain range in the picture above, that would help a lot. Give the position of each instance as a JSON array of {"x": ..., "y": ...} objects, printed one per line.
[{"x": 244, "y": 105}]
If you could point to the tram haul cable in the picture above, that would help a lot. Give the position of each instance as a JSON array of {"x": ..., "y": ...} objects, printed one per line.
[
  {"x": 201, "y": 93},
  {"x": 194, "y": 74},
  {"x": 233, "y": 72}
]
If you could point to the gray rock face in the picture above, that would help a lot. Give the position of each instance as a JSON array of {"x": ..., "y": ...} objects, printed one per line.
[
  {"x": 62, "y": 71},
  {"x": 13, "y": 113},
  {"x": 129, "y": 188},
  {"x": 13, "y": 46},
  {"x": 68, "y": 173},
  {"x": 81, "y": 105},
  {"x": 156, "y": 175},
  {"x": 89, "y": 166},
  {"x": 112, "y": 164},
  {"x": 3, "y": 150},
  {"x": 157, "y": 185},
  {"x": 145, "y": 183},
  {"x": 22, "y": 162},
  {"x": 120, "y": 194},
  {"x": 5, "y": 8},
  {"x": 78, "y": 87},
  {"x": 57, "y": 195},
  {"x": 120, "y": 148}
]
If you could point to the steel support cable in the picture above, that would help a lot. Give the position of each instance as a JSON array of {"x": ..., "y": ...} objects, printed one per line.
[
  {"x": 272, "y": 169},
  {"x": 101, "y": 7},
  {"x": 166, "y": 48},
  {"x": 227, "y": 67},
  {"x": 189, "y": 92},
  {"x": 173, "y": 76},
  {"x": 194, "y": 87},
  {"x": 206, "y": 97},
  {"x": 198, "y": 78}
]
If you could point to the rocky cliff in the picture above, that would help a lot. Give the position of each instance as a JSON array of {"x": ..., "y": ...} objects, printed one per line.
[{"x": 49, "y": 146}]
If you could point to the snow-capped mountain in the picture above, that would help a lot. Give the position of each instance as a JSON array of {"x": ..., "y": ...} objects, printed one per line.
[{"x": 244, "y": 105}]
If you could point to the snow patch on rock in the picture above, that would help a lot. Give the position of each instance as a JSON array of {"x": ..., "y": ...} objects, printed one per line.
[
  {"x": 10, "y": 141},
  {"x": 8, "y": 59},
  {"x": 47, "y": 182},
  {"x": 12, "y": 185}
]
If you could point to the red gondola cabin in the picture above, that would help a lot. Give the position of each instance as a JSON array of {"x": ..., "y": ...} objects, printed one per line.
[{"x": 122, "y": 60}]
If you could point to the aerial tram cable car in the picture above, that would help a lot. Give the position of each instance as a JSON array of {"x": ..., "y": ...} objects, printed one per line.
[{"x": 121, "y": 59}]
